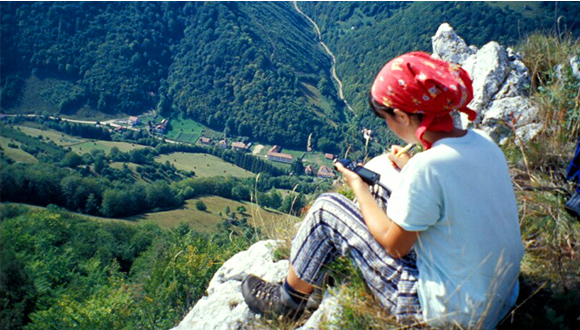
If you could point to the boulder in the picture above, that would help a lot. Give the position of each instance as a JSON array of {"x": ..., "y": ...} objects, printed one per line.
[
  {"x": 501, "y": 85},
  {"x": 224, "y": 307},
  {"x": 511, "y": 114},
  {"x": 326, "y": 313},
  {"x": 488, "y": 69},
  {"x": 448, "y": 46}
]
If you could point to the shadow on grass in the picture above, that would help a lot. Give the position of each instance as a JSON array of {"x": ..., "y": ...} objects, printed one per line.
[{"x": 544, "y": 306}]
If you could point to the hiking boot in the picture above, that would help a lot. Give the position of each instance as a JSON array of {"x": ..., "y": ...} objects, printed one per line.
[{"x": 270, "y": 299}]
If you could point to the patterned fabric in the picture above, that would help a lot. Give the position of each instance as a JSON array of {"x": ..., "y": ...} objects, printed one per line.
[
  {"x": 417, "y": 83},
  {"x": 334, "y": 225}
]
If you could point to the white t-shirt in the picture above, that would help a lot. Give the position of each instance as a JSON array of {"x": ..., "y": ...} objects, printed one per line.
[{"x": 459, "y": 196}]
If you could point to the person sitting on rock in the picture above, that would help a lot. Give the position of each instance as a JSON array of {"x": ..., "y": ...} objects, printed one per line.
[{"x": 443, "y": 246}]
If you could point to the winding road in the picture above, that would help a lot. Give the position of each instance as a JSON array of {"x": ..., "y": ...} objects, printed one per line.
[{"x": 334, "y": 75}]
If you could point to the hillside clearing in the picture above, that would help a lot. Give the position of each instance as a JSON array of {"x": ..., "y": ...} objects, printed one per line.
[
  {"x": 76, "y": 144},
  {"x": 207, "y": 221},
  {"x": 203, "y": 165},
  {"x": 16, "y": 154}
]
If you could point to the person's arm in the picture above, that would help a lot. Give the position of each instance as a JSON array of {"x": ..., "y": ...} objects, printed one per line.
[{"x": 396, "y": 241}]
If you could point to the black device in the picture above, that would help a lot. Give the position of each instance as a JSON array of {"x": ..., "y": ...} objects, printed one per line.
[{"x": 366, "y": 175}]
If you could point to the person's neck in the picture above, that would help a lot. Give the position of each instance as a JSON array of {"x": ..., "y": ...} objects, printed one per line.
[{"x": 433, "y": 137}]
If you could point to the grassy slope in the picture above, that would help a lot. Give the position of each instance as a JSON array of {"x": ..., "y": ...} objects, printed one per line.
[
  {"x": 207, "y": 221},
  {"x": 78, "y": 145},
  {"x": 203, "y": 165},
  {"x": 16, "y": 154},
  {"x": 202, "y": 221}
]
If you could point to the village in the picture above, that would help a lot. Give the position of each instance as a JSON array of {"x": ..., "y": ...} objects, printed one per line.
[{"x": 274, "y": 154}]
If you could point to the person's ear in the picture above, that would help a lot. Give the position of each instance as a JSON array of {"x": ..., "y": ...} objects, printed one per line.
[{"x": 402, "y": 117}]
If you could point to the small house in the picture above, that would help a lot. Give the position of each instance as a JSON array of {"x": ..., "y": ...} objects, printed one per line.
[
  {"x": 241, "y": 146},
  {"x": 325, "y": 172},
  {"x": 134, "y": 121},
  {"x": 205, "y": 141},
  {"x": 280, "y": 157}
]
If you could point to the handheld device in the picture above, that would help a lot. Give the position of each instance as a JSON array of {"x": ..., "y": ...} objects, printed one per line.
[{"x": 366, "y": 175}]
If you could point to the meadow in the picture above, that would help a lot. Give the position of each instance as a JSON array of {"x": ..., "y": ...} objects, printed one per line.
[
  {"x": 16, "y": 154},
  {"x": 204, "y": 165},
  {"x": 184, "y": 130},
  {"x": 207, "y": 221},
  {"x": 77, "y": 145}
]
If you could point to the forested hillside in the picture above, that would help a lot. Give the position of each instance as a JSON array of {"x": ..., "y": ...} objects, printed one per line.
[
  {"x": 247, "y": 67},
  {"x": 251, "y": 69},
  {"x": 364, "y": 35}
]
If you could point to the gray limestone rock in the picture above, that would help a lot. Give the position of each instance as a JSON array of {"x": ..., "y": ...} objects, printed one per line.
[
  {"x": 224, "y": 307},
  {"x": 448, "y": 46},
  {"x": 488, "y": 69}
]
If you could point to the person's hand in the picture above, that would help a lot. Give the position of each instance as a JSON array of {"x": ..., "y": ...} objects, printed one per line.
[
  {"x": 398, "y": 161},
  {"x": 351, "y": 178}
]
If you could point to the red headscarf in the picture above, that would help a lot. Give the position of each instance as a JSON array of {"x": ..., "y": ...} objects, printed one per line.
[{"x": 417, "y": 83}]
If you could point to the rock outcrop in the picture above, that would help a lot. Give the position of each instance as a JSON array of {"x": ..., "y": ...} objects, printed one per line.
[
  {"x": 224, "y": 307},
  {"x": 501, "y": 82}
]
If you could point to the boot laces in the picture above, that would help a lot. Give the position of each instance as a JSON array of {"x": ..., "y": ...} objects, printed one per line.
[{"x": 267, "y": 291}]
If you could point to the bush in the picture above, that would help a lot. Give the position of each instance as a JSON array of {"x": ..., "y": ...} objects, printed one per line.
[{"x": 200, "y": 205}]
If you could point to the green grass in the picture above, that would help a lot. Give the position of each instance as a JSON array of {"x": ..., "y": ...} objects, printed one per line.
[
  {"x": 16, "y": 154},
  {"x": 91, "y": 217},
  {"x": 207, "y": 221},
  {"x": 78, "y": 145},
  {"x": 204, "y": 165},
  {"x": 185, "y": 130}
]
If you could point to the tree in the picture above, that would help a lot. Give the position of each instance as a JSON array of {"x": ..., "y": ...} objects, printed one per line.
[
  {"x": 241, "y": 209},
  {"x": 298, "y": 167},
  {"x": 200, "y": 205},
  {"x": 100, "y": 163},
  {"x": 72, "y": 160},
  {"x": 275, "y": 199}
]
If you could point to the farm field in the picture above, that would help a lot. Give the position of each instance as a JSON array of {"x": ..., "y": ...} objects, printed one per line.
[
  {"x": 207, "y": 221},
  {"x": 78, "y": 145},
  {"x": 184, "y": 130},
  {"x": 16, "y": 154},
  {"x": 106, "y": 146},
  {"x": 203, "y": 165}
]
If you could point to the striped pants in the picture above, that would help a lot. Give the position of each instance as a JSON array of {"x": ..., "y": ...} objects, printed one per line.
[{"x": 334, "y": 225}]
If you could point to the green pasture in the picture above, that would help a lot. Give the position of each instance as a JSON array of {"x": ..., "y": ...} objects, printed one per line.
[
  {"x": 207, "y": 221},
  {"x": 78, "y": 145},
  {"x": 59, "y": 138},
  {"x": 204, "y": 165},
  {"x": 16, "y": 154},
  {"x": 184, "y": 130},
  {"x": 106, "y": 146}
]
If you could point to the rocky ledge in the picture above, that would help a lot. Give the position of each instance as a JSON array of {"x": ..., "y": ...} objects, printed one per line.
[{"x": 501, "y": 83}]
